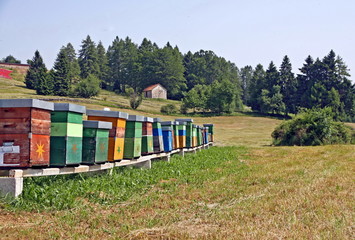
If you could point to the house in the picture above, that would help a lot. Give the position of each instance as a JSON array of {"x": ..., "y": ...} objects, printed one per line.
[{"x": 155, "y": 91}]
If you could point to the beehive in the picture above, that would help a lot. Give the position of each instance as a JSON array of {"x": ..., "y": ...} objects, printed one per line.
[
  {"x": 199, "y": 136},
  {"x": 116, "y": 134},
  {"x": 182, "y": 134},
  {"x": 66, "y": 134},
  {"x": 25, "y": 132},
  {"x": 168, "y": 138},
  {"x": 133, "y": 137},
  {"x": 210, "y": 132},
  {"x": 205, "y": 135},
  {"x": 147, "y": 136},
  {"x": 176, "y": 134},
  {"x": 189, "y": 122},
  {"x": 171, "y": 125},
  {"x": 157, "y": 136},
  {"x": 95, "y": 141},
  {"x": 194, "y": 135}
]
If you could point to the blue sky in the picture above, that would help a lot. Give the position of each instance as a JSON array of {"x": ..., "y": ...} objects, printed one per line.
[{"x": 244, "y": 32}]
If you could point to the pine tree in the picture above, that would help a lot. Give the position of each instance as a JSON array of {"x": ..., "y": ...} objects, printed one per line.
[
  {"x": 246, "y": 74},
  {"x": 61, "y": 74},
  {"x": 272, "y": 77},
  {"x": 36, "y": 71},
  {"x": 288, "y": 85},
  {"x": 45, "y": 83},
  {"x": 115, "y": 59},
  {"x": 257, "y": 83},
  {"x": 103, "y": 62},
  {"x": 74, "y": 72},
  {"x": 88, "y": 58}
]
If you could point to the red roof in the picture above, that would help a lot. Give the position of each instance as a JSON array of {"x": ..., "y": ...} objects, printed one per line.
[{"x": 152, "y": 87}]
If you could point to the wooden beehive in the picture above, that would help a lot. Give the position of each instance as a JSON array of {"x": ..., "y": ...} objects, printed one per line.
[
  {"x": 95, "y": 141},
  {"x": 182, "y": 134},
  {"x": 171, "y": 125},
  {"x": 189, "y": 122},
  {"x": 24, "y": 132},
  {"x": 116, "y": 134},
  {"x": 168, "y": 138},
  {"x": 133, "y": 137},
  {"x": 66, "y": 134},
  {"x": 176, "y": 134},
  {"x": 210, "y": 131},
  {"x": 157, "y": 136},
  {"x": 147, "y": 136}
]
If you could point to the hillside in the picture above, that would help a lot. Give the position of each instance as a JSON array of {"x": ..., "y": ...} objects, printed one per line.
[{"x": 16, "y": 89}]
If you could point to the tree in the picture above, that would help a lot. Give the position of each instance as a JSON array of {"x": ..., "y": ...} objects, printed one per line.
[
  {"x": 45, "y": 84},
  {"x": 276, "y": 101},
  {"x": 223, "y": 96},
  {"x": 115, "y": 59},
  {"x": 272, "y": 77},
  {"x": 246, "y": 74},
  {"x": 74, "y": 68},
  {"x": 88, "y": 58},
  {"x": 36, "y": 71},
  {"x": 288, "y": 86},
  {"x": 257, "y": 83},
  {"x": 10, "y": 59},
  {"x": 61, "y": 74},
  {"x": 103, "y": 62}
]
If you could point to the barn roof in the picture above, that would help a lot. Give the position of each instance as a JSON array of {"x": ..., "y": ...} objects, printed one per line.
[{"x": 149, "y": 88}]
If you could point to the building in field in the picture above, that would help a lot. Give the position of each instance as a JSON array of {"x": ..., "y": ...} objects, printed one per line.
[{"x": 155, "y": 91}]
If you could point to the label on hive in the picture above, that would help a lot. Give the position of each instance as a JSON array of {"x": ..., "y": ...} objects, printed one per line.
[{"x": 34, "y": 151}]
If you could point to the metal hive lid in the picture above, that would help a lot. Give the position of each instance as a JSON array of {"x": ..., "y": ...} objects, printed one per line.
[
  {"x": 97, "y": 124},
  {"x": 33, "y": 103},
  {"x": 102, "y": 113},
  {"x": 69, "y": 107}
]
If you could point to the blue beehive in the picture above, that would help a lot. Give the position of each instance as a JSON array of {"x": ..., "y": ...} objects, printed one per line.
[{"x": 168, "y": 138}]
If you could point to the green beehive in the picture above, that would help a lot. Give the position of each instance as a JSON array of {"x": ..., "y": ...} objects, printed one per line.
[
  {"x": 95, "y": 141},
  {"x": 133, "y": 137},
  {"x": 199, "y": 136},
  {"x": 66, "y": 134},
  {"x": 194, "y": 135},
  {"x": 210, "y": 132},
  {"x": 189, "y": 137}
]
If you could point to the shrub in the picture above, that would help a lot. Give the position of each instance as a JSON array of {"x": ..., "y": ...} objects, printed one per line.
[
  {"x": 88, "y": 87},
  {"x": 135, "y": 100},
  {"x": 312, "y": 127},
  {"x": 169, "y": 109}
]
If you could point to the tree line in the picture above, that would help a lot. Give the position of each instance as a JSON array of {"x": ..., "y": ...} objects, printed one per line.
[
  {"x": 321, "y": 83},
  {"x": 203, "y": 81}
]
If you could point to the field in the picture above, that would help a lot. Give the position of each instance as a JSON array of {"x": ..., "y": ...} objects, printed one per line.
[{"x": 241, "y": 189}]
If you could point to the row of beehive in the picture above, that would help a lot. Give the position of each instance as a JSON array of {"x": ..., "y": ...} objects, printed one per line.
[{"x": 39, "y": 133}]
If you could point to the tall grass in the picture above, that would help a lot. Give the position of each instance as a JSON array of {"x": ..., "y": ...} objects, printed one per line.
[{"x": 70, "y": 191}]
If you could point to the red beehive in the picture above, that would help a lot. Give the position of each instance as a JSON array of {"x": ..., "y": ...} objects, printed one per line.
[{"x": 24, "y": 132}]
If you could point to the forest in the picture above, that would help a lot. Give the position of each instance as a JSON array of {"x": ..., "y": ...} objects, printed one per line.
[{"x": 203, "y": 81}]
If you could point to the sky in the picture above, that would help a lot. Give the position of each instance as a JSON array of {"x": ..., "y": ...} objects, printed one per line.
[{"x": 246, "y": 32}]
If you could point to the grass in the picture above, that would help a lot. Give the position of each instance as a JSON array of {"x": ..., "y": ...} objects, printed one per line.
[{"x": 241, "y": 189}]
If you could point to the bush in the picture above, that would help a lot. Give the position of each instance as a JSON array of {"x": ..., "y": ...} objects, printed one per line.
[
  {"x": 312, "y": 127},
  {"x": 169, "y": 109},
  {"x": 88, "y": 87},
  {"x": 135, "y": 100}
]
